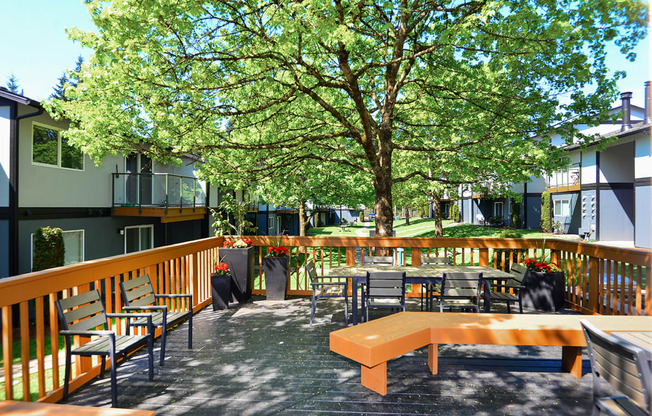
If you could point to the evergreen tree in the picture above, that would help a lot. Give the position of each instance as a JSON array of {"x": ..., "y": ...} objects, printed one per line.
[
  {"x": 12, "y": 84},
  {"x": 546, "y": 225},
  {"x": 59, "y": 89}
]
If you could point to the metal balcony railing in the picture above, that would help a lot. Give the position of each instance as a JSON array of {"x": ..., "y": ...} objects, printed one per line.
[
  {"x": 156, "y": 190},
  {"x": 566, "y": 177}
]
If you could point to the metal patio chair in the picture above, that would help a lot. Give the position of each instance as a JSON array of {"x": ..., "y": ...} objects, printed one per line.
[
  {"x": 325, "y": 287},
  {"x": 385, "y": 290},
  {"x": 81, "y": 315}
]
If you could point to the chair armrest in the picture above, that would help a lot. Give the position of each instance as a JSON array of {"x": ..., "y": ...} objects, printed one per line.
[
  {"x": 330, "y": 284},
  {"x": 145, "y": 308},
  {"x": 100, "y": 333},
  {"x": 169, "y": 296},
  {"x": 510, "y": 286}
]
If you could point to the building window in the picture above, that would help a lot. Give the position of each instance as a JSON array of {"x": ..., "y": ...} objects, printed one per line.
[
  {"x": 498, "y": 209},
  {"x": 49, "y": 148},
  {"x": 73, "y": 243},
  {"x": 562, "y": 208},
  {"x": 138, "y": 238}
]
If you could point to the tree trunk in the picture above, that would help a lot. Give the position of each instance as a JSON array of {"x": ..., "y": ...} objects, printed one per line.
[
  {"x": 302, "y": 219},
  {"x": 435, "y": 200},
  {"x": 384, "y": 207},
  {"x": 407, "y": 216}
]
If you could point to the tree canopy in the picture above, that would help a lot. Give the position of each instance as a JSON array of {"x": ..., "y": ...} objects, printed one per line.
[{"x": 377, "y": 87}]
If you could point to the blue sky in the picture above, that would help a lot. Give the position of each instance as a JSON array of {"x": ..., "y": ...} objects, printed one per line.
[{"x": 36, "y": 49}]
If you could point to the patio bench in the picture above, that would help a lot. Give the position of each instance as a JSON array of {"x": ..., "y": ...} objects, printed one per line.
[
  {"x": 374, "y": 343},
  {"x": 15, "y": 408}
]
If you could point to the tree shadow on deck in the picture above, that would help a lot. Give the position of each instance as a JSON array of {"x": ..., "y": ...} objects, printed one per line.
[{"x": 264, "y": 358}]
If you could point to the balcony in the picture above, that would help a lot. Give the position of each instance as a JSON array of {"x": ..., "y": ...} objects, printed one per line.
[
  {"x": 567, "y": 180},
  {"x": 264, "y": 357},
  {"x": 167, "y": 196}
]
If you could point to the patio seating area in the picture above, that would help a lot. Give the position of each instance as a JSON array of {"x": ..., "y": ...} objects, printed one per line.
[{"x": 264, "y": 358}]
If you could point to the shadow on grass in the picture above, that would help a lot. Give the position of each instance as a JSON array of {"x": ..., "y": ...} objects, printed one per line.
[{"x": 475, "y": 231}]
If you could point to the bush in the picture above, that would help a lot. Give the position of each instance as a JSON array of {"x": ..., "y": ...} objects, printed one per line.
[
  {"x": 455, "y": 212},
  {"x": 546, "y": 224},
  {"x": 361, "y": 216},
  {"x": 516, "y": 213},
  {"x": 496, "y": 220},
  {"x": 49, "y": 250}
]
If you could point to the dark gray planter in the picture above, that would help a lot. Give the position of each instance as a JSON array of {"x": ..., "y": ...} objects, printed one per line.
[
  {"x": 276, "y": 277},
  {"x": 544, "y": 291},
  {"x": 241, "y": 266},
  {"x": 221, "y": 291}
]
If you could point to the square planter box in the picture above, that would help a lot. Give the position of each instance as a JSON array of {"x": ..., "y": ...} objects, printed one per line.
[
  {"x": 241, "y": 266},
  {"x": 221, "y": 291},
  {"x": 544, "y": 291},
  {"x": 276, "y": 277}
]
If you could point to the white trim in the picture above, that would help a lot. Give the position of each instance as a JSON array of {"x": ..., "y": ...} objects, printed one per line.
[
  {"x": 561, "y": 203},
  {"x": 502, "y": 209},
  {"x": 48, "y": 165},
  {"x": 150, "y": 226}
]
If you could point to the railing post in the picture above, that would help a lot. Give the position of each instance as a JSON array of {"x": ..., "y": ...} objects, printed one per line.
[
  {"x": 350, "y": 256},
  {"x": 484, "y": 257},
  {"x": 554, "y": 256},
  {"x": 194, "y": 272},
  {"x": 416, "y": 256},
  {"x": 594, "y": 290}
]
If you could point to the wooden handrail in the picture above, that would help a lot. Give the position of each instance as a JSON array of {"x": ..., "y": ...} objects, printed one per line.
[{"x": 599, "y": 279}]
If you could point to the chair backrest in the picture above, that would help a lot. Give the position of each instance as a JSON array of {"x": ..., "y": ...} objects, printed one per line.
[
  {"x": 621, "y": 364},
  {"x": 82, "y": 312},
  {"x": 435, "y": 260},
  {"x": 385, "y": 284},
  {"x": 137, "y": 291},
  {"x": 518, "y": 271},
  {"x": 378, "y": 261},
  {"x": 462, "y": 285},
  {"x": 311, "y": 270}
]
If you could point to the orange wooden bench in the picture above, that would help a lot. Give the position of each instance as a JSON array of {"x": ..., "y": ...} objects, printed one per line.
[
  {"x": 374, "y": 343},
  {"x": 14, "y": 408}
]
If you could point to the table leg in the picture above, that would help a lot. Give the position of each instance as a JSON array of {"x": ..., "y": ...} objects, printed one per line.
[
  {"x": 571, "y": 360},
  {"x": 433, "y": 358},
  {"x": 375, "y": 378},
  {"x": 354, "y": 301}
]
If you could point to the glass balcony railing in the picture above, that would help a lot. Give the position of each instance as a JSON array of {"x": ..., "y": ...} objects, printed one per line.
[
  {"x": 566, "y": 177},
  {"x": 162, "y": 190}
]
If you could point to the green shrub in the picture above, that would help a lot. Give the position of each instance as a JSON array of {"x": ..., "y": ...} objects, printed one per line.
[
  {"x": 516, "y": 212},
  {"x": 361, "y": 216},
  {"x": 455, "y": 212},
  {"x": 49, "y": 250},
  {"x": 546, "y": 224}
]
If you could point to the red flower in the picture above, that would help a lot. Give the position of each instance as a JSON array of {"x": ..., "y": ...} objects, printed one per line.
[
  {"x": 221, "y": 268},
  {"x": 227, "y": 244},
  {"x": 278, "y": 252},
  {"x": 541, "y": 266}
]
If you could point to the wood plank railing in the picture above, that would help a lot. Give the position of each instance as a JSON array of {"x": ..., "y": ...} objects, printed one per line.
[{"x": 598, "y": 280}]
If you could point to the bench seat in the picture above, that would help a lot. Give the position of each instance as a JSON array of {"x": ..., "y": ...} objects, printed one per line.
[{"x": 374, "y": 343}]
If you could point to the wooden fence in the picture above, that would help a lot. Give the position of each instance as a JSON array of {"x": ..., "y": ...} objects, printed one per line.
[{"x": 598, "y": 280}]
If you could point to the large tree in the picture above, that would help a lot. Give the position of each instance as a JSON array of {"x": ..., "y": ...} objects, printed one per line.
[{"x": 475, "y": 84}]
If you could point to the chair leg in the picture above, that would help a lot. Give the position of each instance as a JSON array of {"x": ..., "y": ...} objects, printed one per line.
[
  {"x": 312, "y": 310},
  {"x": 103, "y": 363},
  {"x": 163, "y": 339},
  {"x": 114, "y": 383},
  {"x": 66, "y": 376},
  {"x": 190, "y": 328},
  {"x": 150, "y": 354},
  {"x": 346, "y": 309}
]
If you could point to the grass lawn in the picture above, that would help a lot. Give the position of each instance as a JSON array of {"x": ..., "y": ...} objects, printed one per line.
[{"x": 424, "y": 227}]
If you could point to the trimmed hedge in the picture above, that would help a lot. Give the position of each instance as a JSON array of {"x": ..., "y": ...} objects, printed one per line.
[{"x": 49, "y": 250}]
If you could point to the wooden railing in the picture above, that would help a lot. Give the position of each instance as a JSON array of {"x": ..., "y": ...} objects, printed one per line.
[{"x": 598, "y": 280}]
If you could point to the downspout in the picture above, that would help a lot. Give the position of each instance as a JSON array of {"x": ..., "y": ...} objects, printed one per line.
[{"x": 13, "y": 180}]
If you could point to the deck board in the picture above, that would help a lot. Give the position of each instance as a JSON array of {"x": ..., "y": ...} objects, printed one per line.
[{"x": 263, "y": 358}]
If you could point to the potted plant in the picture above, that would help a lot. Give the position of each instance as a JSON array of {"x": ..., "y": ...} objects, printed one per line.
[
  {"x": 239, "y": 256},
  {"x": 275, "y": 267},
  {"x": 544, "y": 286},
  {"x": 221, "y": 286}
]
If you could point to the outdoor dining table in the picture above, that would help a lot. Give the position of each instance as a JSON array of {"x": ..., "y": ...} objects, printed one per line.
[
  {"x": 426, "y": 274},
  {"x": 642, "y": 340}
]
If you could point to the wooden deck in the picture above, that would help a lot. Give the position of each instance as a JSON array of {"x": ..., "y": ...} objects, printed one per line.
[{"x": 263, "y": 358}]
